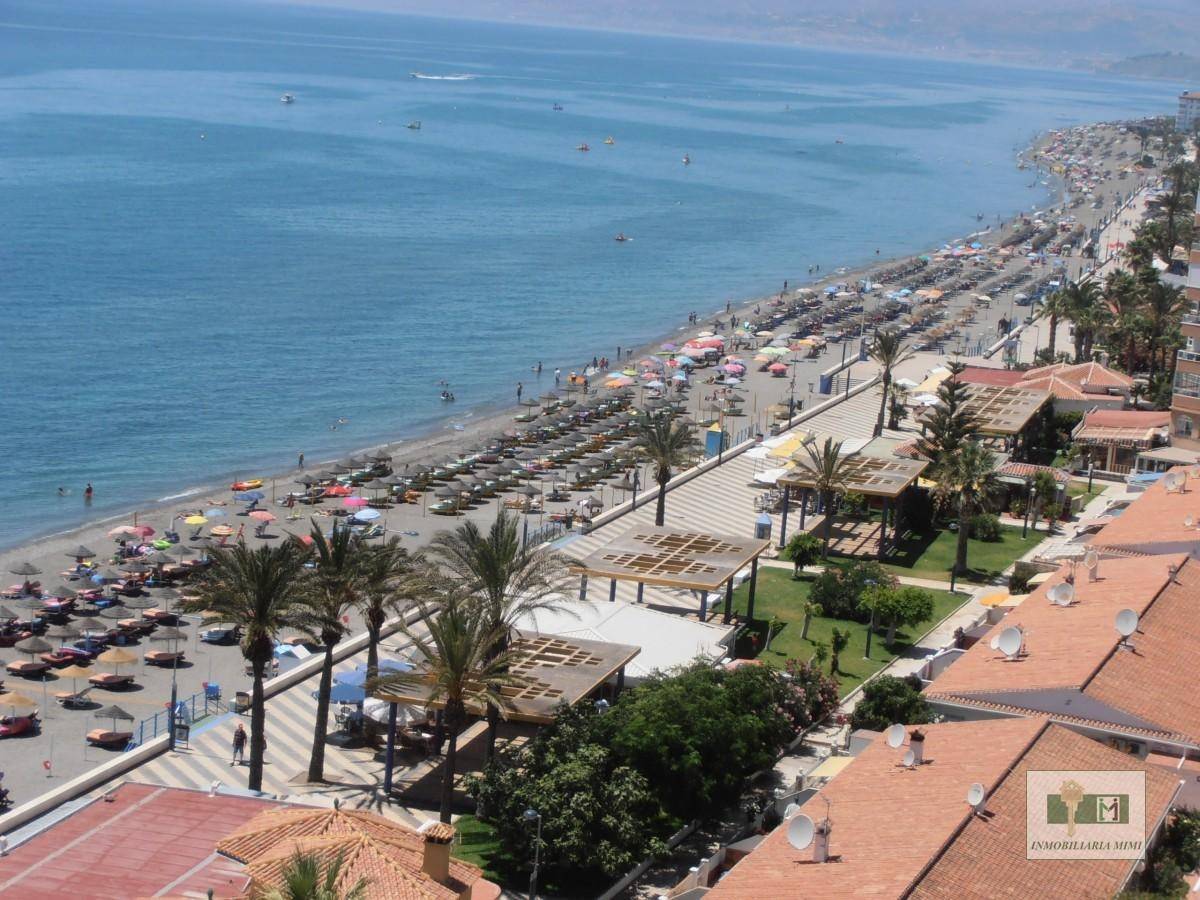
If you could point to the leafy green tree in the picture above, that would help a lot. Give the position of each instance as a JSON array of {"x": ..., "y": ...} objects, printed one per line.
[
  {"x": 698, "y": 734},
  {"x": 820, "y": 653},
  {"x": 901, "y": 606},
  {"x": 839, "y": 590},
  {"x": 803, "y": 549},
  {"x": 825, "y": 468},
  {"x": 261, "y": 591},
  {"x": 508, "y": 579},
  {"x": 1044, "y": 490},
  {"x": 813, "y": 695},
  {"x": 889, "y": 351},
  {"x": 307, "y": 876},
  {"x": 599, "y": 815},
  {"x": 837, "y": 643},
  {"x": 811, "y": 609},
  {"x": 887, "y": 700},
  {"x": 667, "y": 444}
]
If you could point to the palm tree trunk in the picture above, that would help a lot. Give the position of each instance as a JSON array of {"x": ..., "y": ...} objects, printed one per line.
[
  {"x": 827, "y": 527},
  {"x": 493, "y": 720},
  {"x": 964, "y": 528},
  {"x": 449, "y": 764},
  {"x": 374, "y": 619},
  {"x": 804, "y": 630},
  {"x": 316, "y": 762},
  {"x": 660, "y": 513},
  {"x": 891, "y": 634},
  {"x": 887, "y": 383},
  {"x": 258, "y": 724},
  {"x": 1053, "y": 330}
]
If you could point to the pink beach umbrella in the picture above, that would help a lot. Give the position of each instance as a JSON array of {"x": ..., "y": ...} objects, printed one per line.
[
  {"x": 355, "y": 502},
  {"x": 263, "y": 515}
]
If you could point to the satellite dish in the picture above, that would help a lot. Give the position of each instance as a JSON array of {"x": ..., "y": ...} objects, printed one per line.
[
  {"x": 1127, "y": 622},
  {"x": 1061, "y": 594},
  {"x": 1173, "y": 481},
  {"x": 1189, "y": 522},
  {"x": 910, "y": 759},
  {"x": 800, "y": 832},
  {"x": 975, "y": 795},
  {"x": 1010, "y": 642},
  {"x": 995, "y": 642},
  {"x": 790, "y": 810},
  {"x": 895, "y": 735},
  {"x": 1091, "y": 559}
]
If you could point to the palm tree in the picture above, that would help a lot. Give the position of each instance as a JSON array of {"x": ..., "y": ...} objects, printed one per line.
[
  {"x": 460, "y": 667},
  {"x": 824, "y": 468},
  {"x": 508, "y": 580},
  {"x": 1164, "y": 306},
  {"x": 334, "y": 590},
  {"x": 889, "y": 351},
  {"x": 388, "y": 580},
  {"x": 261, "y": 592},
  {"x": 1086, "y": 309},
  {"x": 968, "y": 480},
  {"x": 306, "y": 876},
  {"x": 667, "y": 444},
  {"x": 1053, "y": 306},
  {"x": 1125, "y": 299}
]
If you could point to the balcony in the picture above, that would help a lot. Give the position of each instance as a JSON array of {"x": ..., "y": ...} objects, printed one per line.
[
  {"x": 1191, "y": 319},
  {"x": 1187, "y": 356}
]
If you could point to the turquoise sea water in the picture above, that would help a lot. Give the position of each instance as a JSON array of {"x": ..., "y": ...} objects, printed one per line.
[{"x": 197, "y": 280}]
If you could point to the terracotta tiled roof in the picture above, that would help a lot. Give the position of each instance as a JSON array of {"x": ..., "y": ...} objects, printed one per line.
[
  {"x": 1075, "y": 669},
  {"x": 385, "y": 864},
  {"x": 267, "y": 833},
  {"x": 877, "y": 851},
  {"x": 983, "y": 375},
  {"x": 1090, "y": 373},
  {"x": 988, "y": 858},
  {"x": 909, "y": 832},
  {"x": 1122, "y": 426},
  {"x": 1059, "y": 388},
  {"x": 1128, "y": 418},
  {"x": 1028, "y": 470},
  {"x": 1156, "y": 522}
]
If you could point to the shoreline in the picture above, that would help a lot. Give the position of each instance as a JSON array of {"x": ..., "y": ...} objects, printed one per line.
[{"x": 439, "y": 435}]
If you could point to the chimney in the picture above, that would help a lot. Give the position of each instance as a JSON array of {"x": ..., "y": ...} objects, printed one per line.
[
  {"x": 916, "y": 743},
  {"x": 435, "y": 861},
  {"x": 821, "y": 841}
]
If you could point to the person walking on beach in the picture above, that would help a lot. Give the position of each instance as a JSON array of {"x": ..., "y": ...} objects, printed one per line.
[
  {"x": 87, "y": 494},
  {"x": 618, "y": 352},
  {"x": 300, "y": 459},
  {"x": 557, "y": 377},
  {"x": 539, "y": 368},
  {"x": 239, "y": 745},
  {"x": 520, "y": 390}
]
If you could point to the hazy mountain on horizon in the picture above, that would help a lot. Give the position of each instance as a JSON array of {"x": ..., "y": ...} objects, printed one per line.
[{"x": 1065, "y": 32}]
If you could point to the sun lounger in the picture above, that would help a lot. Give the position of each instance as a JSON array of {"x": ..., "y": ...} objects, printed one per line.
[
  {"x": 163, "y": 657},
  {"x": 27, "y": 668},
  {"x": 73, "y": 700},
  {"x": 109, "y": 680},
  {"x": 102, "y": 737}
]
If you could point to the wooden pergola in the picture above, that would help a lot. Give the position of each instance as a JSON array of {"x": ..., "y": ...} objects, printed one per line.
[
  {"x": 549, "y": 670},
  {"x": 671, "y": 558},
  {"x": 1003, "y": 411},
  {"x": 873, "y": 476}
]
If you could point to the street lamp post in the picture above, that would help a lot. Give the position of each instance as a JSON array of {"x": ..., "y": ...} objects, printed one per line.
[
  {"x": 531, "y": 816},
  {"x": 870, "y": 627}
]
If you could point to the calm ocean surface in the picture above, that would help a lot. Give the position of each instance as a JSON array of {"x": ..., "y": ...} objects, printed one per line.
[{"x": 197, "y": 280}]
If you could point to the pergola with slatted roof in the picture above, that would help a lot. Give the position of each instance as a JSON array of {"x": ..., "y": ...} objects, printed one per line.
[
  {"x": 885, "y": 477},
  {"x": 1003, "y": 411},
  {"x": 674, "y": 558}
]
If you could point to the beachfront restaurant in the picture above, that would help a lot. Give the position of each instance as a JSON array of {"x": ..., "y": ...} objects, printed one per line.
[
  {"x": 671, "y": 558},
  {"x": 878, "y": 478}
]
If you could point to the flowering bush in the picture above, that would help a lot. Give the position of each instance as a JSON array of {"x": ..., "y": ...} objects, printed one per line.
[{"x": 811, "y": 695}]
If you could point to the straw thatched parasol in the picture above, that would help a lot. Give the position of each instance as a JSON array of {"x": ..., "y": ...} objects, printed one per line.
[
  {"x": 115, "y": 713},
  {"x": 116, "y": 657},
  {"x": 80, "y": 553},
  {"x": 15, "y": 704}
]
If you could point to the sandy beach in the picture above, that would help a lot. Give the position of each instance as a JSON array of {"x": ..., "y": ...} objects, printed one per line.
[{"x": 463, "y": 429}]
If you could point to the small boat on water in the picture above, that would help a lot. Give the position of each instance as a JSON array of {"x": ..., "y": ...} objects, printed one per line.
[
  {"x": 287, "y": 98},
  {"x": 583, "y": 148},
  {"x": 414, "y": 125},
  {"x": 557, "y": 107},
  {"x": 609, "y": 140},
  {"x": 687, "y": 160},
  {"x": 622, "y": 238}
]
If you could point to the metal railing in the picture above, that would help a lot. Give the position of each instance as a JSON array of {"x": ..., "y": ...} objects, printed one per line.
[
  {"x": 197, "y": 706},
  {"x": 1191, "y": 318},
  {"x": 1188, "y": 355}
]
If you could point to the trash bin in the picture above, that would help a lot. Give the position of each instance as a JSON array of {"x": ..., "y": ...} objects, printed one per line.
[
  {"x": 241, "y": 701},
  {"x": 762, "y": 527}
]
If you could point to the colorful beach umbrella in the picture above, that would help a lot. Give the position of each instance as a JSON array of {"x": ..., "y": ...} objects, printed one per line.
[
  {"x": 195, "y": 520},
  {"x": 262, "y": 515},
  {"x": 355, "y": 502}
]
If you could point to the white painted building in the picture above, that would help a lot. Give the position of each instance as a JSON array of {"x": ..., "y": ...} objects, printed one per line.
[{"x": 1189, "y": 111}]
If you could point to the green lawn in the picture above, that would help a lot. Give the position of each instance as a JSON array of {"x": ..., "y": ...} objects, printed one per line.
[
  {"x": 930, "y": 555},
  {"x": 1078, "y": 489},
  {"x": 479, "y": 845},
  {"x": 780, "y": 595}
]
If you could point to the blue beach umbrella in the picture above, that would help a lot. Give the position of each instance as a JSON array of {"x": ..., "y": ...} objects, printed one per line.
[
  {"x": 214, "y": 513},
  {"x": 249, "y": 496},
  {"x": 367, "y": 515},
  {"x": 685, "y": 361},
  {"x": 358, "y": 678}
]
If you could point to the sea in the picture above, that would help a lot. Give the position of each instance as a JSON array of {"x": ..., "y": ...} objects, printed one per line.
[{"x": 198, "y": 281}]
